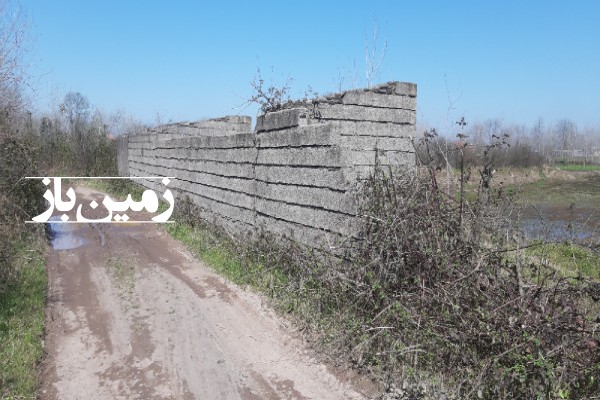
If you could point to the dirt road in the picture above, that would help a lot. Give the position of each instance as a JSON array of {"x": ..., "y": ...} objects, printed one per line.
[{"x": 132, "y": 315}]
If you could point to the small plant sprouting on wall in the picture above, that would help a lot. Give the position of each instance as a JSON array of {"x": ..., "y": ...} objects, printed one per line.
[{"x": 270, "y": 98}]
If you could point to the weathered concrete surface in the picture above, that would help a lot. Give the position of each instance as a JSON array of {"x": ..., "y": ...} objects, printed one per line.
[
  {"x": 294, "y": 174},
  {"x": 372, "y": 99}
]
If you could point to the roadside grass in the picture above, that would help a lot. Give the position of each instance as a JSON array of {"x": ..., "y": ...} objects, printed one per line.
[
  {"x": 224, "y": 256},
  {"x": 22, "y": 322},
  {"x": 213, "y": 250}
]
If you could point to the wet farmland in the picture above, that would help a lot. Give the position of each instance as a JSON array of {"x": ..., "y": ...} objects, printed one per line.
[{"x": 562, "y": 209}]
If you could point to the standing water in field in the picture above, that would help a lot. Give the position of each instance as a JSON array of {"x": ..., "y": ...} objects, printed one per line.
[
  {"x": 556, "y": 223},
  {"x": 562, "y": 210}
]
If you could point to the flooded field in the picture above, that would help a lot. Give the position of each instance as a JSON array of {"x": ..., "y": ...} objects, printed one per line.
[
  {"x": 562, "y": 209},
  {"x": 557, "y": 223}
]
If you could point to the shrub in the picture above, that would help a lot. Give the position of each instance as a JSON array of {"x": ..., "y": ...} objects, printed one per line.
[
  {"x": 20, "y": 199},
  {"x": 432, "y": 273}
]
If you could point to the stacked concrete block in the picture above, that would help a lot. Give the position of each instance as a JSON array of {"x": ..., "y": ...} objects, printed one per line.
[
  {"x": 295, "y": 173},
  {"x": 215, "y": 172},
  {"x": 301, "y": 191}
]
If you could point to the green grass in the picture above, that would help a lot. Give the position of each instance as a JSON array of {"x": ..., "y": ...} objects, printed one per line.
[
  {"x": 22, "y": 324},
  {"x": 211, "y": 249},
  {"x": 117, "y": 187},
  {"x": 579, "y": 167},
  {"x": 222, "y": 255},
  {"x": 568, "y": 259}
]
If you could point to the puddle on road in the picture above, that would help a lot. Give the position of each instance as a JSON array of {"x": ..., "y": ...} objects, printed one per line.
[{"x": 65, "y": 236}]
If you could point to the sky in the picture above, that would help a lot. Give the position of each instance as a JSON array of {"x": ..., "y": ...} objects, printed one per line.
[{"x": 188, "y": 60}]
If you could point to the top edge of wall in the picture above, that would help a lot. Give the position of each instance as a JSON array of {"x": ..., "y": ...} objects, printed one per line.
[
  {"x": 394, "y": 88},
  {"x": 222, "y": 126},
  {"x": 392, "y": 102},
  {"x": 227, "y": 120},
  {"x": 391, "y": 88}
]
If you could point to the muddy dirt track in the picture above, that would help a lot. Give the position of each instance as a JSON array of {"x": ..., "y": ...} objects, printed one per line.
[{"x": 132, "y": 315}]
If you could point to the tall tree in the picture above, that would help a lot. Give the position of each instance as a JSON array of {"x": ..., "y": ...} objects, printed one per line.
[{"x": 76, "y": 109}]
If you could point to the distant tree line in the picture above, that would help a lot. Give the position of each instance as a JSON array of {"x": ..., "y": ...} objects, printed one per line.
[
  {"x": 78, "y": 139},
  {"x": 522, "y": 146}
]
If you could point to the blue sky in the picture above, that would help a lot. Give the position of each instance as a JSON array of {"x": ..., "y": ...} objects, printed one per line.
[{"x": 187, "y": 60}]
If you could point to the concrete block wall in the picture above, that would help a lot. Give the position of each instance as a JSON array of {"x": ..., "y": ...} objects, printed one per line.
[
  {"x": 216, "y": 172},
  {"x": 294, "y": 173}
]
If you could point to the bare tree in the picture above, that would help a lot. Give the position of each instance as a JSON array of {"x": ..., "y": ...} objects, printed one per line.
[
  {"x": 536, "y": 135},
  {"x": 76, "y": 109},
  {"x": 373, "y": 58},
  {"x": 565, "y": 132},
  {"x": 492, "y": 128},
  {"x": 75, "y": 113},
  {"x": 12, "y": 68}
]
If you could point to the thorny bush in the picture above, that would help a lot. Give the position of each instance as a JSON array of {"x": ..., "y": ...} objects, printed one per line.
[{"x": 433, "y": 273}]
